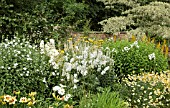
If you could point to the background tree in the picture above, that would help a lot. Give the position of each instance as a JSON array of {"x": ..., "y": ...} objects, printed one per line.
[{"x": 140, "y": 17}]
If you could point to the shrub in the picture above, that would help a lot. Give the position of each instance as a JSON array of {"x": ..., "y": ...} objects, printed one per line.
[
  {"x": 23, "y": 67},
  {"x": 149, "y": 90},
  {"x": 106, "y": 99},
  {"x": 134, "y": 58}
]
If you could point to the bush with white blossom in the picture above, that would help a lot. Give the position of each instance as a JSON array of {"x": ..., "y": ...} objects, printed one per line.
[{"x": 23, "y": 68}]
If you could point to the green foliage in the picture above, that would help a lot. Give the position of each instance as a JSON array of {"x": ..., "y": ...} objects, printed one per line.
[
  {"x": 23, "y": 67},
  {"x": 106, "y": 99},
  {"x": 146, "y": 16},
  {"x": 134, "y": 58}
]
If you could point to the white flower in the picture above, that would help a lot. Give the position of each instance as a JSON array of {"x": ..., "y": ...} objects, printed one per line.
[
  {"x": 44, "y": 80},
  {"x": 107, "y": 68},
  {"x": 62, "y": 85},
  {"x": 52, "y": 41},
  {"x": 71, "y": 60},
  {"x": 42, "y": 44},
  {"x": 24, "y": 68},
  {"x": 75, "y": 80},
  {"x": 56, "y": 88},
  {"x": 126, "y": 49},
  {"x": 135, "y": 44},
  {"x": 84, "y": 73},
  {"x": 93, "y": 55},
  {"x": 68, "y": 66},
  {"x": 103, "y": 72},
  {"x": 29, "y": 59},
  {"x": 151, "y": 56},
  {"x": 27, "y": 74},
  {"x": 15, "y": 65},
  {"x": 53, "y": 73},
  {"x": 61, "y": 91},
  {"x": 67, "y": 97},
  {"x": 75, "y": 86}
]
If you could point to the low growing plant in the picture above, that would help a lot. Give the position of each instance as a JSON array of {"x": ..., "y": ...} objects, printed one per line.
[{"x": 106, "y": 99}]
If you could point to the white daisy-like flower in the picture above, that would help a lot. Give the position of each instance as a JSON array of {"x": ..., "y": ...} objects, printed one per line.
[
  {"x": 67, "y": 97},
  {"x": 56, "y": 88},
  {"x": 126, "y": 49},
  {"x": 61, "y": 91},
  {"x": 151, "y": 56},
  {"x": 15, "y": 65}
]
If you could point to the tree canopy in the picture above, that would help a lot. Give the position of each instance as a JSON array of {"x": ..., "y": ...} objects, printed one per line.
[{"x": 139, "y": 18}]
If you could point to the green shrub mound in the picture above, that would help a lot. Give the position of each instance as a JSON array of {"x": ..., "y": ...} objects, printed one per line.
[
  {"x": 135, "y": 57},
  {"x": 107, "y": 99},
  {"x": 23, "y": 68}
]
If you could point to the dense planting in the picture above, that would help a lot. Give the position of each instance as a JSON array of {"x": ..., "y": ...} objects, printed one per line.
[
  {"x": 84, "y": 67},
  {"x": 45, "y": 63}
]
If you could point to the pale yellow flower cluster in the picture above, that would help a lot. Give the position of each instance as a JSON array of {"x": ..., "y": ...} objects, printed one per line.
[
  {"x": 11, "y": 100},
  {"x": 153, "y": 79}
]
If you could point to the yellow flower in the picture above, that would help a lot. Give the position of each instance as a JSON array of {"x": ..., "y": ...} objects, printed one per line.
[
  {"x": 7, "y": 98},
  {"x": 114, "y": 38},
  {"x": 100, "y": 40},
  {"x": 12, "y": 100},
  {"x": 158, "y": 45},
  {"x": 16, "y": 92},
  {"x": 133, "y": 39},
  {"x": 68, "y": 106},
  {"x": 53, "y": 94},
  {"x": 3, "y": 103},
  {"x": 90, "y": 40},
  {"x": 23, "y": 100},
  {"x": 62, "y": 51},
  {"x": 1, "y": 97},
  {"x": 32, "y": 94},
  {"x": 30, "y": 103}
]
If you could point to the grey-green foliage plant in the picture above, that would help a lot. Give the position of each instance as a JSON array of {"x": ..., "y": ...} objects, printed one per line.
[
  {"x": 152, "y": 17},
  {"x": 133, "y": 58},
  {"x": 106, "y": 99},
  {"x": 23, "y": 68}
]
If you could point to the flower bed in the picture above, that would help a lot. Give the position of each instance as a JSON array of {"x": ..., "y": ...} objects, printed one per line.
[{"x": 61, "y": 77}]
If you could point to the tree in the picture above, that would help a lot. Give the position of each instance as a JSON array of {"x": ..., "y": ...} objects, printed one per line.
[{"x": 152, "y": 17}]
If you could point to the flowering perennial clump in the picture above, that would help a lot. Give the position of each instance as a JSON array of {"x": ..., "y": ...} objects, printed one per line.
[
  {"x": 12, "y": 100},
  {"x": 149, "y": 89},
  {"x": 77, "y": 63}
]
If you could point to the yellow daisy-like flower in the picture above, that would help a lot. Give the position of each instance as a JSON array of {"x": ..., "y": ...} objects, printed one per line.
[
  {"x": 7, "y": 98},
  {"x": 23, "y": 100},
  {"x": 32, "y": 94}
]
